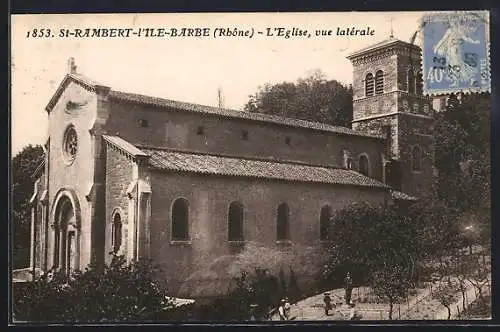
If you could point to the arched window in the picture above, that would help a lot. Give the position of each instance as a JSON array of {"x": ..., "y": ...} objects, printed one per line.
[
  {"x": 180, "y": 218},
  {"x": 379, "y": 82},
  {"x": 324, "y": 221},
  {"x": 419, "y": 84},
  {"x": 116, "y": 235},
  {"x": 411, "y": 81},
  {"x": 416, "y": 159},
  {"x": 369, "y": 85},
  {"x": 235, "y": 222},
  {"x": 364, "y": 165},
  {"x": 282, "y": 224}
]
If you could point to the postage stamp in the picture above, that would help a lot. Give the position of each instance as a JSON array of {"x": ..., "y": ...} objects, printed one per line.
[{"x": 456, "y": 52}]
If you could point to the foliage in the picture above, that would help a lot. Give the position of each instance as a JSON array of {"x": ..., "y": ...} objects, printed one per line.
[
  {"x": 436, "y": 227},
  {"x": 115, "y": 292},
  {"x": 445, "y": 293},
  {"x": 24, "y": 165},
  {"x": 361, "y": 234},
  {"x": 258, "y": 287},
  {"x": 392, "y": 282},
  {"x": 478, "y": 275},
  {"x": 462, "y": 154},
  {"x": 313, "y": 98}
]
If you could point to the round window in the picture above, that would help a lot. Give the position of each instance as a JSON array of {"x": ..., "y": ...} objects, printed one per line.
[{"x": 70, "y": 142}]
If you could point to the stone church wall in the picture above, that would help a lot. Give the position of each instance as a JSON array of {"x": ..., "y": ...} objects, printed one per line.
[
  {"x": 119, "y": 170},
  {"x": 77, "y": 174},
  {"x": 179, "y": 130},
  {"x": 209, "y": 198}
]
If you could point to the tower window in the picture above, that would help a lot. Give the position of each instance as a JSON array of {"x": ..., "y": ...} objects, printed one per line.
[
  {"x": 369, "y": 85},
  {"x": 419, "y": 84},
  {"x": 379, "y": 82},
  {"x": 235, "y": 222},
  {"x": 244, "y": 135},
  {"x": 411, "y": 81},
  {"x": 324, "y": 221},
  {"x": 364, "y": 165},
  {"x": 416, "y": 156},
  {"x": 282, "y": 226},
  {"x": 143, "y": 123},
  {"x": 180, "y": 218}
]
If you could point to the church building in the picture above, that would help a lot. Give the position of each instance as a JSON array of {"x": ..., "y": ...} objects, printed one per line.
[{"x": 183, "y": 184}]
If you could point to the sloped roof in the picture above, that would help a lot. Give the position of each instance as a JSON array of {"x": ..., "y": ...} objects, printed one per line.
[
  {"x": 183, "y": 106},
  {"x": 124, "y": 146},
  {"x": 379, "y": 45},
  {"x": 191, "y": 107},
  {"x": 264, "y": 169}
]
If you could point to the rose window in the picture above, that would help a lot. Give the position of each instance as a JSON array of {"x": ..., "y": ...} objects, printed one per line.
[{"x": 70, "y": 143}]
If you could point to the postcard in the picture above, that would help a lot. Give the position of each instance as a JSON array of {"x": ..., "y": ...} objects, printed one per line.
[{"x": 251, "y": 167}]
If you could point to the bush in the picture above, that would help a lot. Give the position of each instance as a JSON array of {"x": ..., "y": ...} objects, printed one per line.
[{"x": 118, "y": 292}]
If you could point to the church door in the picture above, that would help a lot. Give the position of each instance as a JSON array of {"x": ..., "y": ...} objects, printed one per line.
[{"x": 66, "y": 239}]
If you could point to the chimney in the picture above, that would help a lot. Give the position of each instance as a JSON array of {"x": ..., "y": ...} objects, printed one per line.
[{"x": 71, "y": 66}]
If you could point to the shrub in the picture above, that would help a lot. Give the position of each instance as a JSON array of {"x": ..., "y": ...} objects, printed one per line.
[{"x": 118, "y": 292}]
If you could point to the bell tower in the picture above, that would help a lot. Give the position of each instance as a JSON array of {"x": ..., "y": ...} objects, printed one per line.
[{"x": 388, "y": 100}]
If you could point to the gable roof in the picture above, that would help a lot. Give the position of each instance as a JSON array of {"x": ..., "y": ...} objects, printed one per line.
[
  {"x": 191, "y": 107},
  {"x": 82, "y": 80},
  {"x": 167, "y": 160},
  {"x": 380, "y": 45}
]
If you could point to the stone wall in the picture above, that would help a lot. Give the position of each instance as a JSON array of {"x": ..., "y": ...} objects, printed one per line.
[
  {"x": 179, "y": 130},
  {"x": 209, "y": 198},
  {"x": 77, "y": 174}
]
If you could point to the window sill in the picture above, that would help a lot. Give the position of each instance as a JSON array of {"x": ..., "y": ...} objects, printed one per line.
[
  {"x": 284, "y": 242},
  {"x": 236, "y": 242},
  {"x": 180, "y": 242}
]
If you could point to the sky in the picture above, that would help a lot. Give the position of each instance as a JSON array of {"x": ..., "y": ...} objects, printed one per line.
[{"x": 185, "y": 69}]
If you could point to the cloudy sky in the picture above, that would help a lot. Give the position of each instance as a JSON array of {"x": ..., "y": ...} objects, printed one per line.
[{"x": 185, "y": 69}]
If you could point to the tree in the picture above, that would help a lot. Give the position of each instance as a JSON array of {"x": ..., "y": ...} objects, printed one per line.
[
  {"x": 365, "y": 237},
  {"x": 313, "y": 98},
  {"x": 435, "y": 227},
  {"x": 462, "y": 153},
  {"x": 115, "y": 292},
  {"x": 24, "y": 165},
  {"x": 478, "y": 274},
  {"x": 445, "y": 294},
  {"x": 391, "y": 282}
]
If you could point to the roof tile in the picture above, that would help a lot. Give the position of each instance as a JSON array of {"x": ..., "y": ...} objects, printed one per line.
[{"x": 230, "y": 166}]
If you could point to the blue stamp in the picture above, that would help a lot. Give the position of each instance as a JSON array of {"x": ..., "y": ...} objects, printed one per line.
[{"x": 456, "y": 52}]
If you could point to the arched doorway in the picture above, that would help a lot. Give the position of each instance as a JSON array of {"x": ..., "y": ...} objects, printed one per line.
[{"x": 66, "y": 232}]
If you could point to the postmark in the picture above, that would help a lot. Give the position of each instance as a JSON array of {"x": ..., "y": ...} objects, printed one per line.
[{"x": 456, "y": 52}]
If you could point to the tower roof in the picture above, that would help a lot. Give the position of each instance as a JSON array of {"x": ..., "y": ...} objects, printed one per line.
[{"x": 380, "y": 45}]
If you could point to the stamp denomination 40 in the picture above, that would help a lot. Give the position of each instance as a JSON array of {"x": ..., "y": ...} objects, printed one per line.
[{"x": 456, "y": 52}]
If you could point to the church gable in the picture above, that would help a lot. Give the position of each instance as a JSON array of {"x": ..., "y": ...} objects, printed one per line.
[{"x": 69, "y": 81}]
